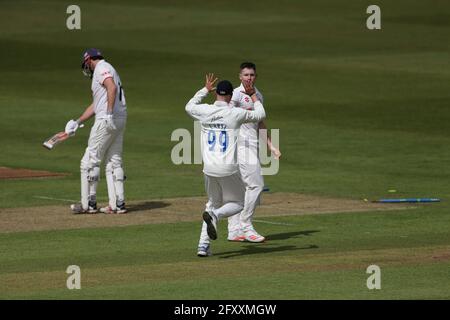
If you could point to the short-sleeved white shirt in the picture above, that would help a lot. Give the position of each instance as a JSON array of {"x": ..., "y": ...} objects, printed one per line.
[
  {"x": 248, "y": 131},
  {"x": 102, "y": 71}
]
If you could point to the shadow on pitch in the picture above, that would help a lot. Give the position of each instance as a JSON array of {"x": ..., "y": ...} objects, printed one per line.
[
  {"x": 148, "y": 205},
  {"x": 260, "y": 249},
  {"x": 287, "y": 235}
]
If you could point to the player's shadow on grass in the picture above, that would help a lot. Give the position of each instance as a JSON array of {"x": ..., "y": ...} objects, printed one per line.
[
  {"x": 147, "y": 205},
  {"x": 261, "y": 249},
  {"x": 287, "y": 235}
]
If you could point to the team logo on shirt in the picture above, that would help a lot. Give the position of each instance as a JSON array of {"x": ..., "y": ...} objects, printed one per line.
[{"x": 247, "y": 99}]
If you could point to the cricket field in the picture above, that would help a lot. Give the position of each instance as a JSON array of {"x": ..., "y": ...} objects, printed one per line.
[{"x": 362, "y": 114}]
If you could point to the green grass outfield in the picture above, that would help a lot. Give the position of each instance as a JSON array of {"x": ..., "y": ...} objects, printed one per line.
[
  {"x": 359, "y": 112},
  {"x": 317, "y": 257}
]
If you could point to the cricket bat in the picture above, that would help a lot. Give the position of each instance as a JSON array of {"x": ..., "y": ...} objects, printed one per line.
[{"x": 57, "y": 138}]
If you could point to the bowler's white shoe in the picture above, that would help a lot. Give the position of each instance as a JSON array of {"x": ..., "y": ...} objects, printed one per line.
[
  {"x": 252, "y": 236},
  {"x": 204, "y": 250},
  {"x": 109, "y": 210},
  {"x": 211, "y": 223},
  {"x": 237, "y": 236},
  {"x": 121, "y": 208}
]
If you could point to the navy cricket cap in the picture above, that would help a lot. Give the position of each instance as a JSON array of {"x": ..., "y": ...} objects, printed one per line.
[
  {"x": 224, "y": 88},
  {"x": 91, "y": 53}
]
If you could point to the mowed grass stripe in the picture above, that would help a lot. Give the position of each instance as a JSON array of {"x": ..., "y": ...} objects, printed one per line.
[
  {"x": 176, "y": 243},
  {"x": 242, "y": 281}
]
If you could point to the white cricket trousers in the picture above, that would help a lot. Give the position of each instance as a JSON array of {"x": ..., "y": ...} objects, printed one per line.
[
  {"x": 103, "y": 145},
  {"x": 226, "y": 196},
  {"x": 251, "y": 173}
]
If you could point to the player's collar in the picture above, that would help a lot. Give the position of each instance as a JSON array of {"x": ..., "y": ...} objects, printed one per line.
[{"x": 221, "y": 104}]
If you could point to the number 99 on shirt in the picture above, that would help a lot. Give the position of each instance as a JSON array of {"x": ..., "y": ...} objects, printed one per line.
[{"x": 222, "y": 140}]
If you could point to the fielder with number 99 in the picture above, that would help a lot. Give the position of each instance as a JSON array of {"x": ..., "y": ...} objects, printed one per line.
[
  {"x": 219, "y": 137},
  {"x": 106, "y": 136},
  {"x": 240, "y": 226}
]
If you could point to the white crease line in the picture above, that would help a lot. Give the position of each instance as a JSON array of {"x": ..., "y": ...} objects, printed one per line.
[
  {"x": 278, "y": 223},
  {"x": 50, "y": 198}
]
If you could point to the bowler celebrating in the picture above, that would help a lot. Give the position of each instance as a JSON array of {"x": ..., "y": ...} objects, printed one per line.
[
  {"x": 248, "y": 159},
  {"x": 219, "y": 135},
  {"x": 240, "y": 227}
]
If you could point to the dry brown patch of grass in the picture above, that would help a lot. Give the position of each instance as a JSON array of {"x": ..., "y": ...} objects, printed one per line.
[{"x": 174, "y": 210}]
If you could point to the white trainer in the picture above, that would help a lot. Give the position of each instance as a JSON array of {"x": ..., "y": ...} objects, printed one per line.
[
  {"x": 252, "y": 236},
  {"x": 78, "y": 209},
  {"x": 236, "y": 236},
  {"x": 204, "y": 250},
  {"x": 109, "y": 210},
  {"x": 121, "y": 209}
]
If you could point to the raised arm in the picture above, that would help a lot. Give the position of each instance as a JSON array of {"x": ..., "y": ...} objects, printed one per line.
[
  {"x": 258, "y": 114},
  {"x": 196, "y": 100},
  {"x": 193, "y": 104}
]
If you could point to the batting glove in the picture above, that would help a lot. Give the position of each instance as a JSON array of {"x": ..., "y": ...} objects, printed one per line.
[
  {"x": 71, "y": 127},
  {"x": 110, "y": 122}
]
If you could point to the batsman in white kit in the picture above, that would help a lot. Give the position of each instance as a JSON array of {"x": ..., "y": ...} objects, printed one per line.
[
  {"x": 106, "y": 137},
  {"x": 219, "y": 135}
]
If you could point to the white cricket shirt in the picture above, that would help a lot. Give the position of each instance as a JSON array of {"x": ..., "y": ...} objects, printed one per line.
[
  {"x": 102, "y": 71},
  {"x": 249, "y": 131},
  {"x": 220, "y": 130}
]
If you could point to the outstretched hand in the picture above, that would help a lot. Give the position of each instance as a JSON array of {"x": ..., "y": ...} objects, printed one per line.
[{"x": 210, "y": 82}]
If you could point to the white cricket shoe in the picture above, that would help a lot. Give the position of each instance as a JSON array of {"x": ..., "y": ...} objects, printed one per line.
[
  {"x": 236, "y": 236},
  {"x": 109, "y": 210},
  {"x": 211, "y": 223},
  {"x": 252, "y": 236},
  {"x": 121, "y": 208},
  {"x": 78, "y": 209},
  {"x": 204, "y": 250}
]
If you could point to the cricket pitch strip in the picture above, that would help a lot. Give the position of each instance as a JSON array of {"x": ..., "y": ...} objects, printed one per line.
[{"x": 171, "y": 210}]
